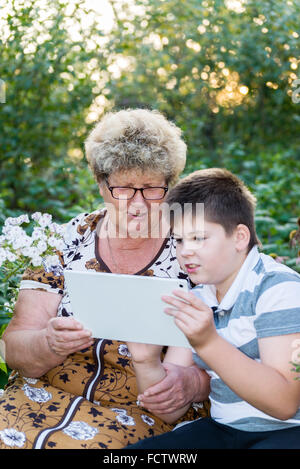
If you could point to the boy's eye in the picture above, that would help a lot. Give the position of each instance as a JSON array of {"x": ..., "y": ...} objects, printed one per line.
[
  {"x": 199, "y": 239},
  {"x": 178, "y": 240}
]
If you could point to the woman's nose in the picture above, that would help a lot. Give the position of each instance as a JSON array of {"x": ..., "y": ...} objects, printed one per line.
[{"x": 138, "y": 198}]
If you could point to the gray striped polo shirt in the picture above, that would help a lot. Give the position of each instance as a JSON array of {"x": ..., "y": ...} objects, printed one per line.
[{"x": 263, "y": 301}]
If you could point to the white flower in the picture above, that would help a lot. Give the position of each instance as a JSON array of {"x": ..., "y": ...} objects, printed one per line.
[
  {"x": 24, "y": 219},
  {"x": 38, "y": 233},
  {"x": 52, "y": 264},
  {"x": 41, "y": 246},
  {"x": 9, "y": 221},
  {"x": 1, "y": 392},
  {"x": 57, "y": 229},
  {"x": 37, "y": 261},
  {"x": 36, "y": 216},
  {"x": 30, "y": 251},
  {"x": 21, "y": 242},
  {"x": 56, "y": 243},
  {"x": 51, "y": 260},
  {"x": 3, "y": 253},
  {"x": 45, "y": 220},
  {"x": 60, "y": 245},
  {"x": 30, "y": 380},
  {"x": 26, "y": 251},
  {"x": 123, "y": 350},
  {"x": 11, "y": 437},
  {"x": 122, "y": 416},
  {"x": 80, "y": 431},
  {"x": 12, "y": 233},
  {"x": 119, "y": 411},
  {"x": 52, "y": 241},
  {"x": 11, "y": 257},
  {"x": 17, "y": 221},
  {"x": 68, "y": 235},
  {"x": 36, "y": 394},
  {"x": 148, "y": 420},
  {"x": 125, "y": 419}
]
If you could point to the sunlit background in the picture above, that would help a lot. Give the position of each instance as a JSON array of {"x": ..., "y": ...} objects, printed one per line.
[
  {"x": 226, "y": 87},
  {"x": 225, "y": 71}
]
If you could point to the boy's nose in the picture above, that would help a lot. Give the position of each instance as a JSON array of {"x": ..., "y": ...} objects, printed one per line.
[{"x": 187, "y": 250}]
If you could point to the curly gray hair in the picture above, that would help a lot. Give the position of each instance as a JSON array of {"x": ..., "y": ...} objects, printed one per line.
[{"x": 136, "y": 139}]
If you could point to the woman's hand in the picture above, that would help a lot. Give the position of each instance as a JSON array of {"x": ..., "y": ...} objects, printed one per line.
[
  {"x": 181, "y": 386},
  {"x": 193, "y": 317},
  {"x": 66, "y": 335},
  {"x": 144, "y": 353}
]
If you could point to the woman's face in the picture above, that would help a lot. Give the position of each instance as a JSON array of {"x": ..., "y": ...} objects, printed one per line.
[{"x": 135, "y": 217}]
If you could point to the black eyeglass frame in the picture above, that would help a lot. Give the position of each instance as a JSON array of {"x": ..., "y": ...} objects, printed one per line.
[{"x": 111, "y": 188}]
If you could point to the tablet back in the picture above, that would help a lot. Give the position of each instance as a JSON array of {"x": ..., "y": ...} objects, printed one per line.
[{"x": 125, "y": 307}]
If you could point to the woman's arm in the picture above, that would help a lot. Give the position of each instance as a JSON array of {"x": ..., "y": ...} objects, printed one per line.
[{"x": 35, "y": 339}]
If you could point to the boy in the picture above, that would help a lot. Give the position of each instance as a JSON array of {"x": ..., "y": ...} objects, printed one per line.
[{"x": 242, "y": 320}]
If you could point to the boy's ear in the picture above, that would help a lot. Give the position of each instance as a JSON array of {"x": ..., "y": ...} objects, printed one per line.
[{"x": 242, "y": 237}]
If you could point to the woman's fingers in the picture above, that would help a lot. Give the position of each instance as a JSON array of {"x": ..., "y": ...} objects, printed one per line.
[
  {"x": 65, "y": 348},
  {"x": 61, "y": 323},
  {"x": 66, "y": 335}
]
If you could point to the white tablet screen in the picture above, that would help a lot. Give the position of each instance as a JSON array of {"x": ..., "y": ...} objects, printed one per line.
[{"x": 125, "y": 307}]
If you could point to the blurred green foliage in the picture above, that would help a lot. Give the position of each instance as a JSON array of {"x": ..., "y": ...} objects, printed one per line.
[
  {"x": 223, "y": 71},
  {"x": 48, "y": 92},
  {"x": 194, "y": 60}
]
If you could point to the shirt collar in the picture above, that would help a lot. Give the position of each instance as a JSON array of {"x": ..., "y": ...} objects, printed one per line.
[{"x": 208, "y": 292}]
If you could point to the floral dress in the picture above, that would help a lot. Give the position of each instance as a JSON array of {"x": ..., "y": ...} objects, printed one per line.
[{"x": 90, "y": 400}]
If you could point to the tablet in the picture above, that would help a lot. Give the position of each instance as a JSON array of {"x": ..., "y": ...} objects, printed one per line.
[{"x": 125, "y": 307}]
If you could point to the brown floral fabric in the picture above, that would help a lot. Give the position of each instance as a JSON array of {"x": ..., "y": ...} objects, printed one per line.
[{"x": 90, "y": 400}]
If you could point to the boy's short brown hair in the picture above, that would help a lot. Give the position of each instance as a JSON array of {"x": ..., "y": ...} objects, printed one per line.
[{"x": 226, "y": 199}]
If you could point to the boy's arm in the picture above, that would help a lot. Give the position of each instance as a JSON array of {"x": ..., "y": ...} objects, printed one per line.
[
  {"x": 181, "y": 386},
  {"x": 146, "y": 360},
  {"x": 269, "y": 385},
  {"x": 184, "y": 383},
  {"x": 150, "y": 371}
]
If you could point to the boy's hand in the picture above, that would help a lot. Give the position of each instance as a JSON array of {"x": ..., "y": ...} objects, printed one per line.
[
  {"x": 144, "y": 353},
  {"x": 193, "y": 317}
]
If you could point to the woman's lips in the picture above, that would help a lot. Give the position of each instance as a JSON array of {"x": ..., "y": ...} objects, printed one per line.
[{"x": 137, "y": 215}]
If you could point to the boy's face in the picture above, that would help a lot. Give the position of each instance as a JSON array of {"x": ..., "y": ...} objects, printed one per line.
[{"x": 208, "y": 254}]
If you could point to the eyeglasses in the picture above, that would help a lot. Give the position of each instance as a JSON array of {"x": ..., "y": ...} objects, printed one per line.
[{"x": 127, "y": 193}]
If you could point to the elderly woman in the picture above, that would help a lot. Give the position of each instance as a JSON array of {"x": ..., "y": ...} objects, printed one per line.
[{"x": 69, "y": 390}]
